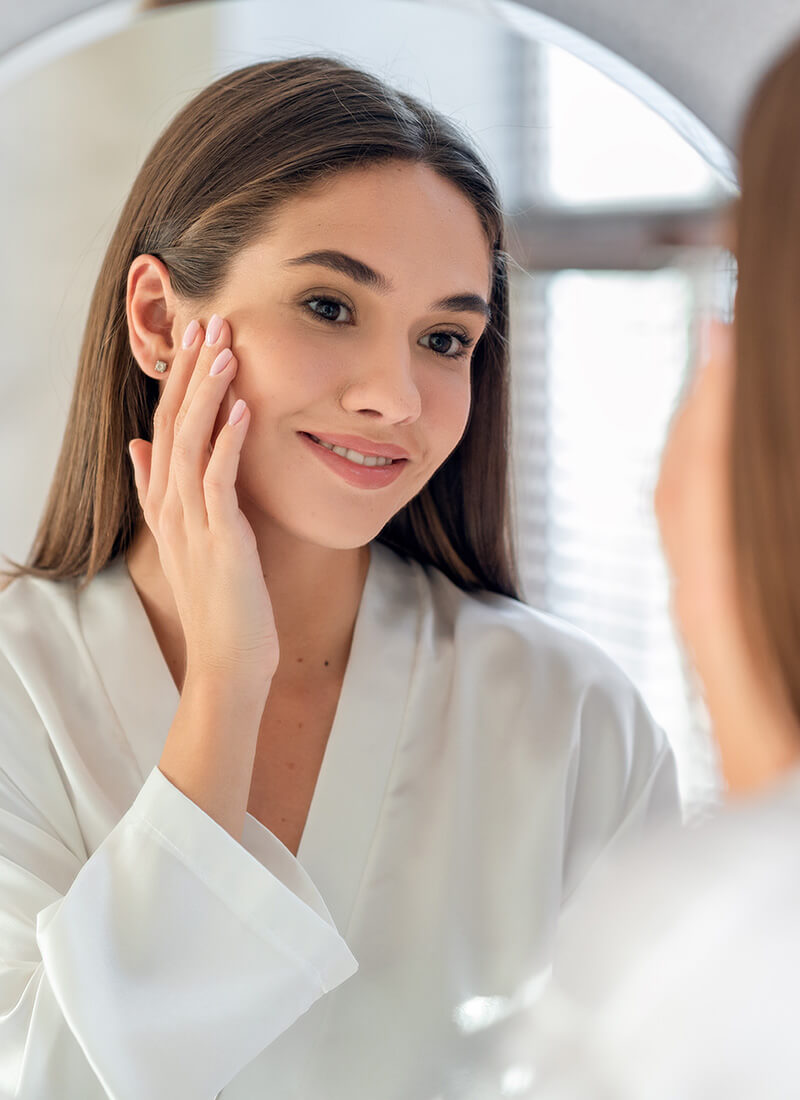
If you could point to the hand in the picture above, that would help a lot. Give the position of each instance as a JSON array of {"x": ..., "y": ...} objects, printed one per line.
[
  {"x": 207, "y": 548},
  {"x": 693, "y": 504},
  {"x": 753, "y": 719}
]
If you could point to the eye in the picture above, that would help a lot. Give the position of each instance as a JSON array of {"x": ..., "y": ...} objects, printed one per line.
[
  {"x": 329, "y": 302},
  {"x": 465, "y": 342}
]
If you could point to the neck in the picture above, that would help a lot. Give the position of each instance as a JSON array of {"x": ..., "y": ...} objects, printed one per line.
[{"x": 315, "y": 593}]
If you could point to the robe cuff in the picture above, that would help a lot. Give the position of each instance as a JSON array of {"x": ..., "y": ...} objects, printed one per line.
[
  {"x": 177, "y": 955},
  {"x": 284, "y": 905}
]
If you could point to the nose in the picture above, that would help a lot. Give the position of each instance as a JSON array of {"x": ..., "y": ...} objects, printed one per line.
[{"x": 382, "y": 385}]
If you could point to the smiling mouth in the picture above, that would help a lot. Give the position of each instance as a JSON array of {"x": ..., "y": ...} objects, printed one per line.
[{"x": 356, "y": 457}]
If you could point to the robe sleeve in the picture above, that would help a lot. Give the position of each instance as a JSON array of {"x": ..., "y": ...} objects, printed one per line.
[{"x": 158, "y": 967}]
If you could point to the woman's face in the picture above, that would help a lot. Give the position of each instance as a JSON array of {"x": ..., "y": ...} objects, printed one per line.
[{"x": 324, "y": 353}]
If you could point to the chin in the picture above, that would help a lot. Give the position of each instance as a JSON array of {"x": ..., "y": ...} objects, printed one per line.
[
  {"x": 339, "y": 533},
  {"x": 338, "y": 520}
]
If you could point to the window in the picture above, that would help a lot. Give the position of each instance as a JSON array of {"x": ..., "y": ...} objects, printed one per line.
[{"x": 601, "y": 343}]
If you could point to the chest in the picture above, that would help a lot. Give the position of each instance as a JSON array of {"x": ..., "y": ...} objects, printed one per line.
[{"x": 291, "y": 743}]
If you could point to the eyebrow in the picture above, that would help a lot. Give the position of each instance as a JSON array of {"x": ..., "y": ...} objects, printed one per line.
[{"x": 464, "y": 302}]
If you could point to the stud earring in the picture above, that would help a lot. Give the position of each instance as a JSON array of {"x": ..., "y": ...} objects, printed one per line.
[{"x": 161, "y": 366}]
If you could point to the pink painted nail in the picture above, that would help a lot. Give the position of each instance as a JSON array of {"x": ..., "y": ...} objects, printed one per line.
[
  {"x": 221, "y": 362},
  {"x": 213, "y": 330},
  {"x": 190, "y": 334},
  {"x": 237, "y": 412}
]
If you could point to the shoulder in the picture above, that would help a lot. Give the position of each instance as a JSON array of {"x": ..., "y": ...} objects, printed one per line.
[
  {"x": 38, "y": 628},
  {"x": 540, "y": 682},
  {"x": 573, "y": 697},
  {"x": 542, "y": 658},
  {"x": 37, "y": 617},
  {"x": 516, "y": 628},
  {"x": 29, "y": 604},
  {"x": 686, "y": 890},
  {"x": 656, "y": 951}
]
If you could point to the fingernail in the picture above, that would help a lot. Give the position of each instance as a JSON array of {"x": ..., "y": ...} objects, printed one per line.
[
  {"x": 237, "y": 412},
  {"x": 213, "y": 330},
  {"x": 221, "y": 362},
  {"x": 189, "y": 335}
]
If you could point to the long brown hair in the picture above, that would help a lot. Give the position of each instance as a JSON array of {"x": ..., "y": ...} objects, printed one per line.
[
  {"x": 765, "y": 460},
  {"x": 211, "y": 185}
]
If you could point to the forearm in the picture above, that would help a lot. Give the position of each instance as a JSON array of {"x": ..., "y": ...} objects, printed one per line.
[{"x": 210, "y": 749}]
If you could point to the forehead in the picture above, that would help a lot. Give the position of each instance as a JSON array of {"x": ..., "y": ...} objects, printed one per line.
[{"x": 405, "y": 220}]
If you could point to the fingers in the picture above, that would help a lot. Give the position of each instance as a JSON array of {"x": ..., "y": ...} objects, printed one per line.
[
  {"x": 193, "y": 428},
  {"x": 186, "y": 361},
  {"x": 170, "y": 472},
  {"x": 140, "y": 451},
  {"x": 219, "y": 482},
  {"x": 216, "y": 338}
]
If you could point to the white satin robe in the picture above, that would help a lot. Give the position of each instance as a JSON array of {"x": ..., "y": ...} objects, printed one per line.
[
  {"x": 481, "y": 756},
  {"x": 677, "y": 973}
]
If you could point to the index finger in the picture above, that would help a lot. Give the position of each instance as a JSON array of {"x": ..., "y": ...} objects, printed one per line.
[
  {"x": 170, "y": 402},
  {"x": 218, "y": 336}
]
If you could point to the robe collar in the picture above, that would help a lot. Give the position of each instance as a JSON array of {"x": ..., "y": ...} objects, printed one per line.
[{"x": 345, "y": 809}]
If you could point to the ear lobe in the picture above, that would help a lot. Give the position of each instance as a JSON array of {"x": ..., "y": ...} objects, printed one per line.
[{"x": 151, "y": 313}]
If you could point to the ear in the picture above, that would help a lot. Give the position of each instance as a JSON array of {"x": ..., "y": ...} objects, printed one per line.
[{"x": 154, "y": 320}]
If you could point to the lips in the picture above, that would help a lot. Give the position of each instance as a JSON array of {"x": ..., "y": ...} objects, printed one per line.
[
  {"x": 365, "y": 447},
  {"x": 355, "y": 473}
]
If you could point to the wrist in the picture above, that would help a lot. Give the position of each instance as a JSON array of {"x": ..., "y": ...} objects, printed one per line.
[{"x": 226, "y": 687}]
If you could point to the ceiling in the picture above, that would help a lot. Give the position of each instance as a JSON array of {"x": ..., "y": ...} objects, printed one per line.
[{"x": 706, "y": 55}]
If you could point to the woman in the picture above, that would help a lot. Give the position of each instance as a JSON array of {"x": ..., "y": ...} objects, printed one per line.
[
  {"x": 691, "y": 990},
  {"x": 275, "y": 722}
]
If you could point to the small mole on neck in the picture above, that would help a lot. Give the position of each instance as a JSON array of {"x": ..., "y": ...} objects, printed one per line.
[{"x": 326, "y": 662}]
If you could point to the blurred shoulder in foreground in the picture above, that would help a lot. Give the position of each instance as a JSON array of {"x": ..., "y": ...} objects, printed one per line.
[{"x": 677, "y": 969}]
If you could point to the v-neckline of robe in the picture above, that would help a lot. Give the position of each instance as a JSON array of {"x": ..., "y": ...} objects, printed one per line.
[{"x": 353, "y": 777}]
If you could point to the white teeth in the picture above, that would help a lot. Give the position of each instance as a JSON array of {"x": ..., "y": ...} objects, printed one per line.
[{"x": 354, "y": 456}]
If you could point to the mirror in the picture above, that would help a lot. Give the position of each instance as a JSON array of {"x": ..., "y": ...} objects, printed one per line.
[
  {"x": 612, "y": 219},
  {"x": 613, "y": 223}
]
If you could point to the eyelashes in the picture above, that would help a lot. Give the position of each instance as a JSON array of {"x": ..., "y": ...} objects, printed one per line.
[{"x": 464, "y": 341}]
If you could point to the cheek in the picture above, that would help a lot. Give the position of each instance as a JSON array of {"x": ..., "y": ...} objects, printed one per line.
[
  {"x": 285, "y": 372},
  {"x": 305, "y": 364},
  {"x": 446, "y": 408}
]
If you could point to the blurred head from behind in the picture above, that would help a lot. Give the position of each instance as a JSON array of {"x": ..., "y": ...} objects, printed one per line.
[
  {"x": 728, "y": 499},
  {"x": 766, "y": 409}
]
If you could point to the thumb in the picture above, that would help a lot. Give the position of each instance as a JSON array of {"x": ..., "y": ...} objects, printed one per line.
[{"x": 140, "y": 452}]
